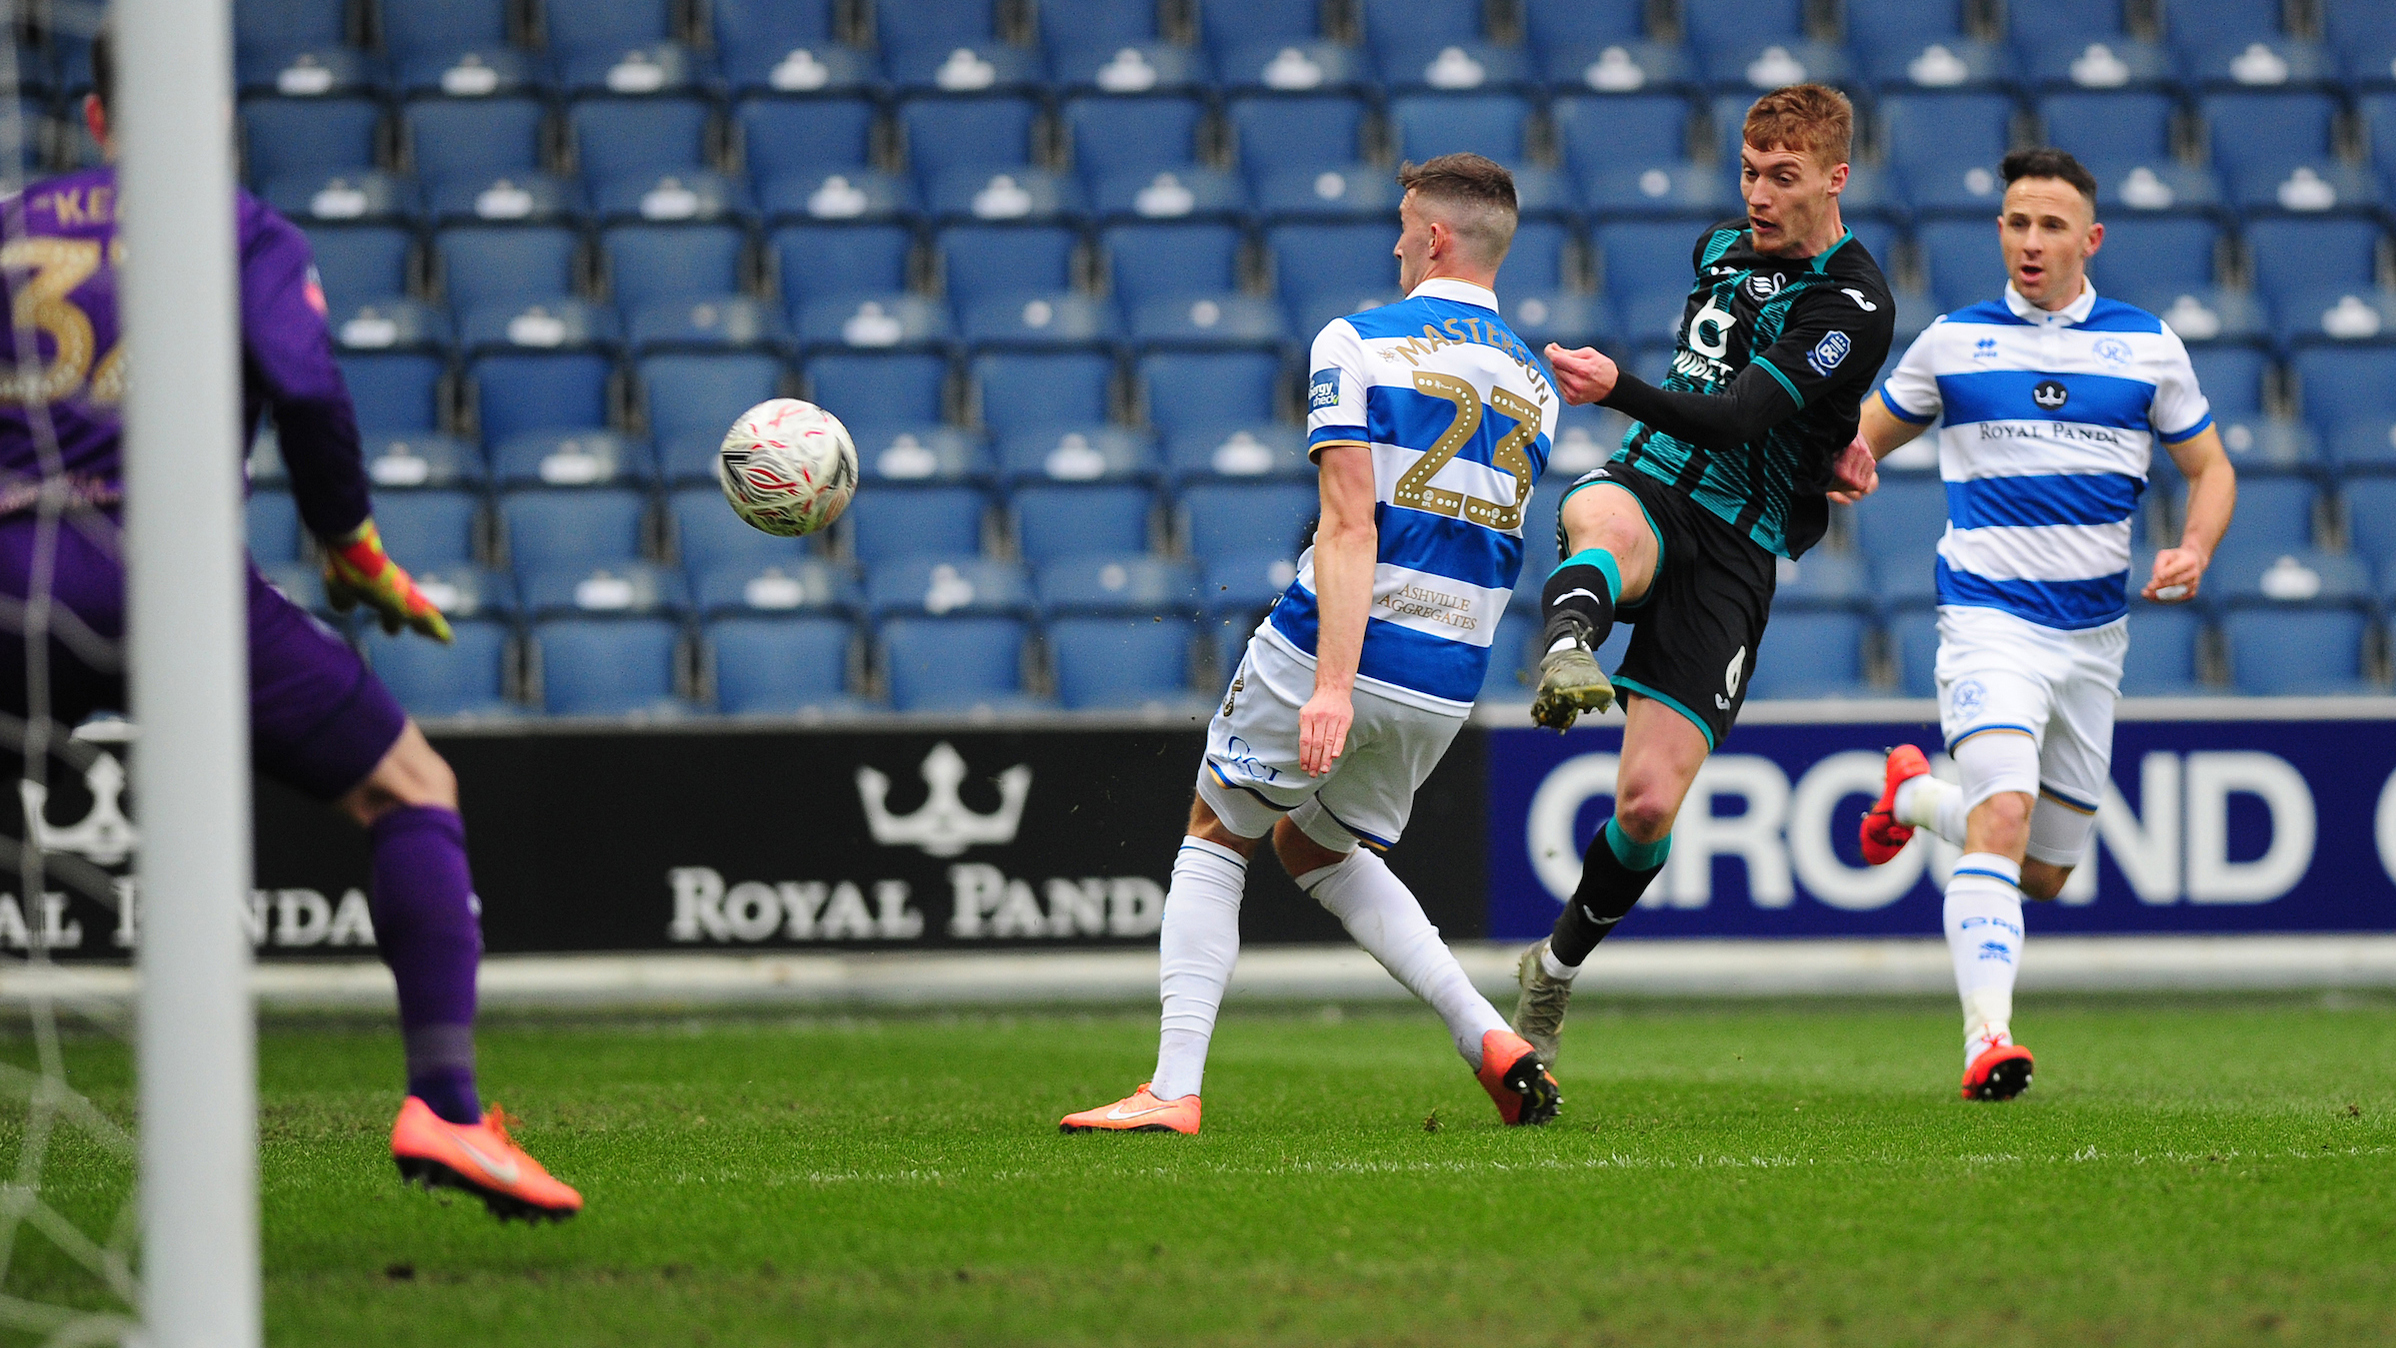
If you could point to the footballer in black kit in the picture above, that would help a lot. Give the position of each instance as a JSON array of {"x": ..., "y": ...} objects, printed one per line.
[{"x": 1731, "y": 458}]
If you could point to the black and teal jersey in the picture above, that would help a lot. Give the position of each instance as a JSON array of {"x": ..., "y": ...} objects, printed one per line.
[{"x": 1820, "y": 327}]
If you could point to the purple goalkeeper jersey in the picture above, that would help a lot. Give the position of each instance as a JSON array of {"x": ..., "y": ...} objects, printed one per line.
[{"x": 58, "y": 261}]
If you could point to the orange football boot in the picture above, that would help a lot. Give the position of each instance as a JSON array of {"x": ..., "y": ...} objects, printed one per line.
[
  {"x": 481, "y": 1159},
  {"x": 1515, "y": 1078},
  {"x": 1999, "y": 1073},
  {"x": 1139, "y": 1112},
  {"x": 1883, "y": 836}
]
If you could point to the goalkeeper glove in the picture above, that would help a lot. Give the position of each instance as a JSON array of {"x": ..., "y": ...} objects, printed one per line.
[{"x": 358, "y": 571}]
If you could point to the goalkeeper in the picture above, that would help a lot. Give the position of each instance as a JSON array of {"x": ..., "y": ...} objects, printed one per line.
[{"x": 320, "y": 721}]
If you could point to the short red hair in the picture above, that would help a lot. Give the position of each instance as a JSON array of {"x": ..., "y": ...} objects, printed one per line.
[{"x": 1812, "y": 119}]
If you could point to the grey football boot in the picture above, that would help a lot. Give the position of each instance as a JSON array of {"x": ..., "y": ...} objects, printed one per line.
[
  {"x": 1539, "y": 1012},
  {"x": 1569, "y": 680}
]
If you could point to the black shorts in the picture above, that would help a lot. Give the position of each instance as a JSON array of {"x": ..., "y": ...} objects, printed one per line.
[{"x": 1696, "y": 630}]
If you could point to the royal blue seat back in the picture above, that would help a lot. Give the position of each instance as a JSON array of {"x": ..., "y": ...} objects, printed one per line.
[
  {"x": 1315, "y": 262},
  {"x": 302, "y": 135},
  {"x": 488, "y": 264},
  {"x": 1168, "y": 261},
  {"x": 1428, "y": 125},
  {"x": 1928, "y": 132},
  {"x": 444, "y": 25},
  {"x": 632, "y": 137},
  {"x": 2249, "y": 129},
  {"x": 1228, "y": 23},
  {"x": 651, "y": 263},
  {"x": 1120, "y": 662},
  {"x": 2162, "y": 659},
  {"x": 580, "y": 25},
  {"x": 885, "y": 523},
  {"x": 2294, "y": 255},
  {"x": 917, "y": 25},
  {"x": 1964, "y": 263},
  {"x": 778, "y": 25},
  {"x": 2034, "y": 21},
  {"x": 879, "y": 390},
  {"x": 2110, "y": 126},
  {"x": 1647, "y": 257},
  {"x": 457, "y": 136},
  {"x": 1597, "y": 133},
  {"x": 1096, "y": 23},
  {"x": 1188, "y": 389},
  {"x": 607, "y": 667},
  {"x": 2232, "y": 380},
  {"x": 1124, "y": 135},
  {"x": 1730, "y": 23},
  {"x": 2170, "y": 252},
  {"x": 817, "y": 261},
  {"x": 765, "y": 665},
  {"x": 1808, "y": 655},
  {"x": 290, "y": 23},
  {"x": 428, "y": 529},
  {"x": 947, "y": 133},
  {"x": 990, "y": 261},
  {"x": 705, "y": 393},
  {"x": 361, "y": 263},
  {"x": 952, "y": 662},
  {"x": 1232, "y": 519},
  {"x": 1030, "y": 392},
  {"x": 2358, "y": 21},
  {"x": 708, "y": 535},
  {"x": 561, "y": 527},
  {"x": 1549, "y": 23},
  {"x": 780, "y": 136},
  {"x": 2205, "y": 23},
  {"x": 397, "y": 392},
  {"x": 1902, "y": 22},
  {"x": 465, "y": 677},
  {"x": 1901, "y": 519},
  {"x": 518, "y": 393},
  {"x": 2277, "y": 652},
  {"x": 1536, "y": 261},
  {"x": 1068, "y": 521},
  {"x": 2275, "y": 512},
  {"x": 1287, "y": 134}
]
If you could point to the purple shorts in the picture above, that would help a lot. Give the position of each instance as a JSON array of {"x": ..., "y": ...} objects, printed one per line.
[{"x": 319, "y": 719}]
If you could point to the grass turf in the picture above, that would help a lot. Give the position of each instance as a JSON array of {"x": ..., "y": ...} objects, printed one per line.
[{"x": 2184, "y": 1172}]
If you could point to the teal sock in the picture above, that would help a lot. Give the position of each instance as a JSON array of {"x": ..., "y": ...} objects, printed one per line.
[
  {"x": 1637, "y": 856},
  {"x": 1578, "y": 600}
]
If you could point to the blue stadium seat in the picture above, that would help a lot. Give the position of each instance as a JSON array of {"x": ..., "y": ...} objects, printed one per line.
[
  {"x": 2169, "y": 252},
  {"x": 1905, "y": 517},
  {"x": 609, "y": 667},
  {"x": 1052, "y": 522},
  {"x": 491, "y": 264},
  {"x": 2232, "y": 380},
  {"x": 2035, "y": 20},
  {"x": 1316, "y": 263},
  {"x": 880, "y": 390},
  {"x": 1647, "y": 258},
  {"x": 613, "y": 588},
  {"x": 288, "y": 23},
  {"x": 1809, "y": 655},
  {"x": 2291, "y": 256},
  {"x": 943, "y": 585},
  {"x": 784, "y": 586},
  {"x": 817, "y": 261},
  {"x": 1583, "y": 23},
  {"x": 1223, "y": 520},
  {"x": 1598, "y": 133},
  {"x": 2162, "y": 660},
  {"x": 785, "y": 137},
  {"x": 752, "y": 36},
  {"x": 1176, "y": 261},
  {"x": 1296, "y": 134},
  {"x": 890, "y": 523},
  {"x": 1904, "y": 25},
  {"x": 1536, "y": 262},
  {"x": 2357, "y": 21},
  {"x": 1411, "y": 23},
  {"x": 2283, "y": 652},
  {"x": 1246, "y": 582},
  {"x": 1123, "y": 583},
  {"x": 519, "y": 393},
  {"x": 2194, "y": 24},
  {"x": 570, "y": 458},
  {"x": 1084, "y": 454},
  {"x": 274, "y": 527},
  {"x": 399, "y": 392},
  {"x": 1121, "y": 662},
  {"x": 2273, "y": 512},
  {"x": 1214, "y": 389},
  {"x": 581, "y": 25},
  {"x": 966, "y": 133},
  {"x": 2254, "y": 573},
  {"x": 765, "y": 666},
  {"x": 1713, "y": 24},
  {"x": 1913, "y": 641},
  {"x": 2108, "y": 126},
  {"x": 2345, "y": 386},
  {"x": 565, "y": 526},
  {"x": 992, "y": 261},
  {"x": 1021, "y": 392},
  {"x": 1823, "y": 578},
  {"x": 1928, "y": 133},
  {"x": 919, "y": 25},
  {"x": 428, "y": 529},
  {"x": 2371, "y": 517},
  {"x": 635, "y": 137},
  {"x": 465, "y": 137},
  {"x": 1229, "y": 23},
  {"x": 647, "y": 264},
  {"x": 692, "y": 394},
  {"x": 1426, "y": 125},
  {"x": 362, "y": 263},
  {"x": 444, "y": 26},
  {"x": 707, "y": 535},
  {"x": 1067, "y": 25},
  {"x": 938, "y": 664},
  {"x": 467, "y": 677},
  {"x": 1133, "y": 135},
  {"x": 2252, "y": 128},
  {"x": 285, "y": 136},
  {"x": 1963, "y": 261}
]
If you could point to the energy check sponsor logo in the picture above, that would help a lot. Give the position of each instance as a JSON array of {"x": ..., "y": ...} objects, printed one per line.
[{"x": 1323, "y": 390}]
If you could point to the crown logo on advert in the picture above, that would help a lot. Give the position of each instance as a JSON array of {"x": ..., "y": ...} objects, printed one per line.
[
  {"x": 103, "y": 835},
  {"x": 944, "y": 827}
]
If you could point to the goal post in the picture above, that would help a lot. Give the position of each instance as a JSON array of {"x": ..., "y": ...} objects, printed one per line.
[{"x": 187, "y": 664}]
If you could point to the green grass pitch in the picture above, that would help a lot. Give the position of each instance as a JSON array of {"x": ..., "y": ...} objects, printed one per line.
[{"x": 2185, "y": 1171}]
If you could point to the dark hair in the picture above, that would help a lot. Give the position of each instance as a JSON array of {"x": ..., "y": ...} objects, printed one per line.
[
  {"x": 1810, "y": 119},
  {"x": 104, "y": 70},
  {"x": 1464, "y": 178},
  {"x": 2048, "y": 162}
]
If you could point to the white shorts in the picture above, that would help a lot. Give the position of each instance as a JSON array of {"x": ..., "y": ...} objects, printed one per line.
[
  {"x": 1251, "y": 776},
  {"x": 2001, "y": 674}
]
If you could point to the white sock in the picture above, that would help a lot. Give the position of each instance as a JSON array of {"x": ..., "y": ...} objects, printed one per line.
[
  {"x": 1556, "y": 968},
  {"x": 1927, "y": 802},
  {"x": 1195, "y": 953},
  {"x": 1984, "y": 935},
  {"x": 1384, "y": 917}
]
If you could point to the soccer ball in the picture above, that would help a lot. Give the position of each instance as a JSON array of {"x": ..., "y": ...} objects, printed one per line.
[{"x": 787, "y": 467}]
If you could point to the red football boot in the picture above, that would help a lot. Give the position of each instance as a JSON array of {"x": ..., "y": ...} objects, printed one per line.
[
  {"x": 1515, "y": 1078},
  {"x": 1999, "y": 1073},
  {"x": 481, "y": 1159},
  {"x": 1883, "y": 836}
]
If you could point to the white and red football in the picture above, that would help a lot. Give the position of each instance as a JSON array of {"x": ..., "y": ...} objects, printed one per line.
[{"x": 788, "y": 467}]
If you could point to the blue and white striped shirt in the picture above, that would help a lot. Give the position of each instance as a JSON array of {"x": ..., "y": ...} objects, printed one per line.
[
  {"x": 1459, "y": 416},
  {"x": 2049, "y": 421}
]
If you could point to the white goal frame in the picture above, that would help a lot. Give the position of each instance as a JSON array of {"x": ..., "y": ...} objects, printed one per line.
[{"x": 187, "y": 658}]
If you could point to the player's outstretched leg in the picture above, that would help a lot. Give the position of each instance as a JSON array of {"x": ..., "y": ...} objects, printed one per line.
[
  {"x": 1984, "y": 936},
  {"x": 1387, "y": 920},
  {"x": 1615, "y": 872},
  {"x": 1196, "y": 951},
  {"x": 1578, "y": 604}
]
